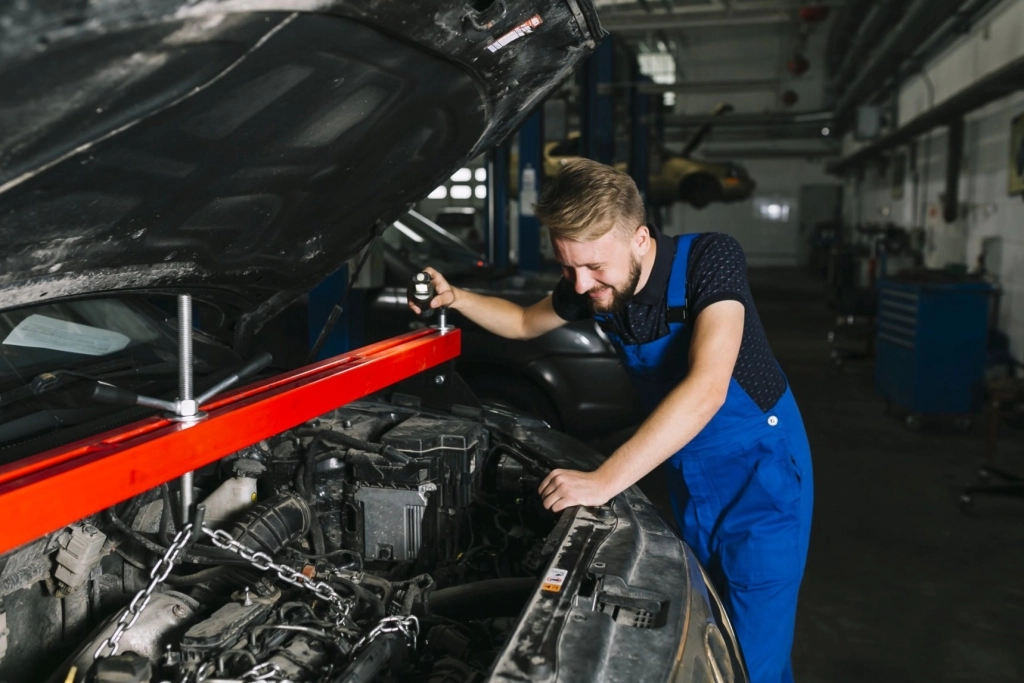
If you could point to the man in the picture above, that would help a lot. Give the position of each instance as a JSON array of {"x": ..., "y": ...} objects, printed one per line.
[{"x": 723, "y": 420}]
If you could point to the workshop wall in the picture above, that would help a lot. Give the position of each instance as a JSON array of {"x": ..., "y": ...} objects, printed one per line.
[
  {"x": 992, "y": 220},
  {"x": 749, "y": 54},
  {"x": 766, "y": 242}
]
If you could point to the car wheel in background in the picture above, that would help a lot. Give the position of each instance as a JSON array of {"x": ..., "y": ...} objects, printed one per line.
[{"x": 699, "y": 190}]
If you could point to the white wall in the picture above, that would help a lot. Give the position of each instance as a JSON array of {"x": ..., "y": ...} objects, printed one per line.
[
  {"x": 766, "y": 243},
  {"x": 753, "y": 53},
  {"x": 988, "y": 211}
]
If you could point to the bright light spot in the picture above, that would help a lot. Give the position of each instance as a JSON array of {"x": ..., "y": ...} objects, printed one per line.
[
  {"x": 408, "y": 232},
  {"x": 825, "y": 131},
  {"x": 439, "y": 193},
  {"x": 462, "y": 175},
  {"x": 481, "y": 192},
  {"x": 481, "y": 175},
  {"x": 772, "y": 210},
  {"x": 461, "y": 192}
]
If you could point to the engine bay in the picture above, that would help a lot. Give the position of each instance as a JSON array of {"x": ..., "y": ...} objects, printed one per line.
[{"x": 378, "y": 542}]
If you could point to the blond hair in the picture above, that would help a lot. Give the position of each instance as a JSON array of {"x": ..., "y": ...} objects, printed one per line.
[{"x": 587, "y": 199}]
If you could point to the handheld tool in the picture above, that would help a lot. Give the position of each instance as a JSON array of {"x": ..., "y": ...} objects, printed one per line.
[{"x": 421, "y": 292}]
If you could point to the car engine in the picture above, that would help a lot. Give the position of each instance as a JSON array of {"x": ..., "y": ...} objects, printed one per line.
[{"x": 379, "y": 542}]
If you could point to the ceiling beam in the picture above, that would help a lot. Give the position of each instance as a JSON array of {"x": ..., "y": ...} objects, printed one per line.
[
  {"x": 823, "y": 152},
  {"x": 802, "y": 118},
  {"x": 647, "y": 88},
  {"x": 703, "y": 16},
  {"x": 640, "y": 23}
]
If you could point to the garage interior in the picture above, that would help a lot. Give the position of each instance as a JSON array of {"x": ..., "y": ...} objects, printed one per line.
[
  {"x": 867, "y": 155},
  {"x": 884, "y": 140}
]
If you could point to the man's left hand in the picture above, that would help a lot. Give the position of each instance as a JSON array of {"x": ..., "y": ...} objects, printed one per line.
[{"x": 565, "y": 488}]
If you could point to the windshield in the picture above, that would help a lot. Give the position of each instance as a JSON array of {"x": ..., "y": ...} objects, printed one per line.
[
  {"x": 51, "y": 354},
  {"x": 61, "y": 335},
  {"x": 424, "y": 243}
]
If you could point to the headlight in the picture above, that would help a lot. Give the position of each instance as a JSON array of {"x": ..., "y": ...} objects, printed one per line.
[
  {"x": 708, "y": 651},
  {"x": 719, "y": 658}
]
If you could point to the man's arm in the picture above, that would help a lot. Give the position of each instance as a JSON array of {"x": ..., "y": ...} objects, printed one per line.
[
  {"x": 717, "y": 335},
  {"x": 499, "y": 316}
]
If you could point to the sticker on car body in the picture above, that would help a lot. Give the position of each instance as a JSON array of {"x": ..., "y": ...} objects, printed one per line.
[
  {"x": 516, "y": 33},
  {"x": 553, "y": 581}
]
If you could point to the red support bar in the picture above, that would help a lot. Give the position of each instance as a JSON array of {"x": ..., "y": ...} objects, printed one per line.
[{"x": 47, "y": 491}]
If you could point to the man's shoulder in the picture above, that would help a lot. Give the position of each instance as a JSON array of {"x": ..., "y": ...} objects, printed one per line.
[{"x": 715, "y": 246}]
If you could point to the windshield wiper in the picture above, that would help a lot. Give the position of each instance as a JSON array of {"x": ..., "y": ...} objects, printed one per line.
[
  {"x": 102, "y": 394},
  {"x": 46, "y": 382}
]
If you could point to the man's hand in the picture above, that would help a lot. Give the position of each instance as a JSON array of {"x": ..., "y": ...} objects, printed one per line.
[
  {"x": 444, "y": 292},
  {"x": 565, "y": 488}
]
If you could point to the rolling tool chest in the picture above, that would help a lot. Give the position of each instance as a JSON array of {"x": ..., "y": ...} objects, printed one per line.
[{"x": 931, "y": 344}]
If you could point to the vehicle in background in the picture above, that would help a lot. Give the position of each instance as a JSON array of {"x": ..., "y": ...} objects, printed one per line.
[
  {"x": 680, "y": 177},
  {"x": 570, "y": 377},
  {"x": 463, "y": 222}
]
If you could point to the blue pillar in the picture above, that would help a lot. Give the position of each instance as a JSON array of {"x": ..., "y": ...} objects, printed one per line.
[
  {"x": 321, "y": 301},
  {"x": 497, "y": 206},
  {"x": 531, "y": 170},
  {"x": 639, "y": 136},
  {"x": 597, "y": 115}
]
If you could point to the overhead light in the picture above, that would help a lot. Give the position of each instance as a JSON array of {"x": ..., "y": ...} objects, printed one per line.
[
  {"x": 438, "y": 193},
  {"x": 461, "y": 192},
  {"x": 462, "y": 175},
  {"x": 825, "y": 131},
  {"x": 480, "y": 174}
]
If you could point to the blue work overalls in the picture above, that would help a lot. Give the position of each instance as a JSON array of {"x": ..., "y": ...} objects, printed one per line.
[{"x": 741, "y": 491}]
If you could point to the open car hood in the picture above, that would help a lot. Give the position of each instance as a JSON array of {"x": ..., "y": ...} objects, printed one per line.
[{"x": 247, "y": 145}]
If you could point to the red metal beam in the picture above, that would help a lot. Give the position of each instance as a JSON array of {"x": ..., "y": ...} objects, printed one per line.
[{"x": 47, "y": 491}]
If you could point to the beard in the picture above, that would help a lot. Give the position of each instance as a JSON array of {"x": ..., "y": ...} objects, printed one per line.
[{"x": 620, "y": 295}]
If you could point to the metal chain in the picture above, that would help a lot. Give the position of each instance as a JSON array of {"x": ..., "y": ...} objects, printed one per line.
[
  {"x": 264, "y": 562},
  {"x": 408, "y": 626},
  {"x": 157, "y": 575}
]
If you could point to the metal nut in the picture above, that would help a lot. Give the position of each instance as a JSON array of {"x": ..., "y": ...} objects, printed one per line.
[
  {"x": 439, "y": 380},
  {"x": 179, "y": 611}
]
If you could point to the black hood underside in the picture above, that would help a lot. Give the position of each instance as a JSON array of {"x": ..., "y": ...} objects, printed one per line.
[{"x": 248, "y": 146}]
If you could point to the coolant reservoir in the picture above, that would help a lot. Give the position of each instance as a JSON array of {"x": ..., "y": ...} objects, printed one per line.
[{"x": 229, "y": 501}]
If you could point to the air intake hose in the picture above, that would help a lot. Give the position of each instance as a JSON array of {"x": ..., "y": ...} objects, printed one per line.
[{"x": 272, "y": 524}]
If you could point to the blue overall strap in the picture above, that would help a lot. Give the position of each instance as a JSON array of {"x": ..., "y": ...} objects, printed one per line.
[{"x": 677, "y": 280}]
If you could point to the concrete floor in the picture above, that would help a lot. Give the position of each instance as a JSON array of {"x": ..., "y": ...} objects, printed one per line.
[{"x": 900, "y": 585}]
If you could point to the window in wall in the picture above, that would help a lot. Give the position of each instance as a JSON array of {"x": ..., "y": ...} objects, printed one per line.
[
  {"x": 772, "y": 209},
  {"x": 661, "y": 67}
]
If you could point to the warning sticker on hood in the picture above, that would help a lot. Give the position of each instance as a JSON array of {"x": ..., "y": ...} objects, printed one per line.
[
  {"x": 516, "y": 33},
  {"x": 43, "y": 332},
  {"x": 553, "y": 581}
]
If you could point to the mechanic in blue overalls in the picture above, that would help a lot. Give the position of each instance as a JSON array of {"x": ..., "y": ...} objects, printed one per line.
[{"x": 723, "y": 421}]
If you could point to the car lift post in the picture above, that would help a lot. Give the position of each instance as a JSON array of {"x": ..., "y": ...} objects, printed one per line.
[
  {"x": 597, "y": 111},
  {"x": 531, "y": 173},
  {"x": 497, "y": 205},
  {"x": 639, "y": 138}
]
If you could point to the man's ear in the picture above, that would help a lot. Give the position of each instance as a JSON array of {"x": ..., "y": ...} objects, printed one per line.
[{"x": 642, "y": 239}]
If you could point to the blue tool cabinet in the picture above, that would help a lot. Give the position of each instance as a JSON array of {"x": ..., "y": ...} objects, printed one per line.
[{"x": 931, "y": 344}]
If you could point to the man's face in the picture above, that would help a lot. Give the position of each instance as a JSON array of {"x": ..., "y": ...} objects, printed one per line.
[{"x": 607, "y": 270}]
